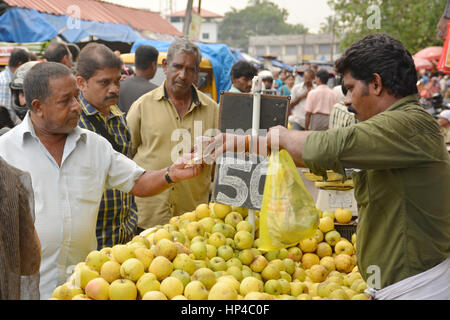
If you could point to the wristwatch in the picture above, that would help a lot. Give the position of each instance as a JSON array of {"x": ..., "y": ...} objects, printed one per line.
[{"x": 168, "y": 179}]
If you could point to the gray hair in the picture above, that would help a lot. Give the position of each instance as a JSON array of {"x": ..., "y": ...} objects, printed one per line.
[
  {"x": 36, "y": 84},
  {"x": 186, "y": 46}
]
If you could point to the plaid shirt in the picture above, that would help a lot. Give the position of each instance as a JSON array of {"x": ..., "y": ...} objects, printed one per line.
[
  {"x": 5, "y": 92},
  {"x": 340, "y": 117},
  {"x": 117, "y": 215}
]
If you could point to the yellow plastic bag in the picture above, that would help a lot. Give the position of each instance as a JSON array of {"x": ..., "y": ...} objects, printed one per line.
[{"x": 288, "y": 213}]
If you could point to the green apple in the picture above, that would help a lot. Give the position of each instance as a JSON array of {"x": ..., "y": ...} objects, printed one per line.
[
  {"x": 332, "y": 237},
  {"x": 185, "y": 263},
  {"x": 271, "y": 271},
  {"x": 211, "y": 251},
  {"x": 246, "y": 256},
  {"x": 199, "y": 250},
  {"x": 218, "y": 264},
  {"x": 234, "y": 262},
  {"x": 181, "y": 275},
  {"x": 273, "y": 287},
  {"x": 226, "y": 252}
]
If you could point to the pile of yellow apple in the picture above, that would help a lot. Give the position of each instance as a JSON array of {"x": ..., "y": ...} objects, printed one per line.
[{"x": 212, "y": 253}]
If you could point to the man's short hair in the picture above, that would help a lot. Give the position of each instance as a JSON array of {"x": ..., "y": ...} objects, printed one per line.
[
  {"x": 94, "y": 57},
  {"x": 145, "y": 56},
  {"x": 74, "y": 49},
  {"x": 323, "y": 75},
  {"x": 37, "y": 80},
  {"x": 56, "y": 51},
  {"x": 18, "y": 56},
  {"x": 243, "y": 69},
  {"x": 186, "y": 46},
  {"x": 310, "y": 71},
  {"x": 384, "y": 55}
]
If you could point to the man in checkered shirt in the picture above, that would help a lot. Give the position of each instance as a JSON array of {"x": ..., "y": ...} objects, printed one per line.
[{"x": 17, "y": 58}]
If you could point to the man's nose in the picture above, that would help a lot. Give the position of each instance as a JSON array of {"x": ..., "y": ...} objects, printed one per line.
[{"x": 348, "y": 99}]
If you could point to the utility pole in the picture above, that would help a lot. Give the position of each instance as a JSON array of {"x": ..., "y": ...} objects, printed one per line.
[{"x": 187, "y": 19}]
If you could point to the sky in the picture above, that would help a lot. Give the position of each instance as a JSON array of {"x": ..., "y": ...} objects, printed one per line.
[{"x": 307, "y": 12}]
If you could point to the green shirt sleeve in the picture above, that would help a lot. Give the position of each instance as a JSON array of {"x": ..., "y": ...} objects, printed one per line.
[{"x": 389, "y": 140}]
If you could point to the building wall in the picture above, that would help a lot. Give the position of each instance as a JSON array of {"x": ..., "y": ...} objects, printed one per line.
[
  {"x": 293, "y": 49},
  {"x": 208, "y": 30}
]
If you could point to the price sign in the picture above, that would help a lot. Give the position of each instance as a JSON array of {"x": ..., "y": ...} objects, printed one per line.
[{"x": 239, "y": 179}]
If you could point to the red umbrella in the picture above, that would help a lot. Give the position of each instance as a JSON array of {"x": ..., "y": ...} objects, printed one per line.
[
  {"x": 430, "y": 53},
  {"x": 421, "y": 63}
]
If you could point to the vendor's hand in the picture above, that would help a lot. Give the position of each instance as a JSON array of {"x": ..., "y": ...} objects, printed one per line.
[
  {"x": 224, "y": 142},
  {"x": 277, "y": 137},
  {"x": 184, "y": 168}
]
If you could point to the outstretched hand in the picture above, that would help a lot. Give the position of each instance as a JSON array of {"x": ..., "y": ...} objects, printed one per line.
[{"x": 184, "y": 168}]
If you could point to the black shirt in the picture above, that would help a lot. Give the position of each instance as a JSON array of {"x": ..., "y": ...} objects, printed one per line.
[{"x": 131, "y": 89}]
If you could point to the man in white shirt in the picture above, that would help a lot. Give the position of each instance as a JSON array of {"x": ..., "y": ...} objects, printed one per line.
[
  {"x": 298, "y": 100},
  {"x": 70, "y": 167}
]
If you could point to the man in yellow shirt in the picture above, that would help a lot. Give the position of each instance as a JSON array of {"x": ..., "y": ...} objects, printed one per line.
[{"x": 165, "y": 122}]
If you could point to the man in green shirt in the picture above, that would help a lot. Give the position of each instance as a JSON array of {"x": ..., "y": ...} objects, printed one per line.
[
  {"x": 402, "y": 177},
  {"x": 402, "y": 186}
]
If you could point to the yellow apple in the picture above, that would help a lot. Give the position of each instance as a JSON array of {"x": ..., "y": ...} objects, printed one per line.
[
  {"x": 326, "y": 224},
  {"x": 122, "y": 252},
  {"x": 161, "y": 267},
  {"x": 202, "y": 211},
  {"x": 220, "y": 210},
  {"x": 243, "y": 240},
  {"x": 147, "y": 282},
  {"x": 343, "y": 215},
  {"x": 97, "y": 289},
  {"x": 95, "y": 259},
  {"x": 171, "y": 287},
  {"x": 195, "y": 290},
  {"x": 205, "y": 276},
  {"x": 110, "y": 271},
  {"x": 343, "y": 246},
  {"x": 145, "y": 256},
  {"x": 166, "y": 248},
  {"x": 222, "y": 290},
  {"x": 308, "y": 245},
  {"x": 154, "y": 295}
]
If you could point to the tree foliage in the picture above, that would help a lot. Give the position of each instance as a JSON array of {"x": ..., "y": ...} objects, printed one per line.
[
  {"x": 411, "y": 22},
  {"x": 259, "y": 18}
]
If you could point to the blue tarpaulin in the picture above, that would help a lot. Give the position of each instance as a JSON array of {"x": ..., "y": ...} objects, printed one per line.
[
  {"x": 219, "y": 55},
  {"x": 24, "y": 25},
  {"x": 76, "y": 29},
  {"x": 27, "y": 25}
]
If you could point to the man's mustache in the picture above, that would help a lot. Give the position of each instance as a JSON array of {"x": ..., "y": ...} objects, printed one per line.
[{"x": 113, "y": 96}]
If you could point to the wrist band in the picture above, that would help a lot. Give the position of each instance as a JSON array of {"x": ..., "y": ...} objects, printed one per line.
[{"x": 168, "y": 179}]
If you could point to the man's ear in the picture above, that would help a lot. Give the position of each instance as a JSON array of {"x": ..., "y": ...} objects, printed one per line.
[
  {"x": 377, "y": 84},
  {"x": 164, "y": 65},
  {"x": 36, "y": 107},
  {"x": 81, "y": 83}
]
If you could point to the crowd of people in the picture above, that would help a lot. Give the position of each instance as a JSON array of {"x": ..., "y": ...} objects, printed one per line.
[{"x": 102, "y": 151}]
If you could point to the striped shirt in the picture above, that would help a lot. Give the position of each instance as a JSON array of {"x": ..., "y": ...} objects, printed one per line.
[
  {"x": 117, "y": 215},
  {"x": 340, "y": 117}
]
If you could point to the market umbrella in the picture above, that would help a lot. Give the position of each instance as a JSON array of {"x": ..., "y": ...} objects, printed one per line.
[
  {"x": 421, "y": 63},
  {"x": 430, "y": 53}
]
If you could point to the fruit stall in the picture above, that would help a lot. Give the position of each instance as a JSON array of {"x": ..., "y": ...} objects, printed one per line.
[{"x": 212, "y": 253}]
